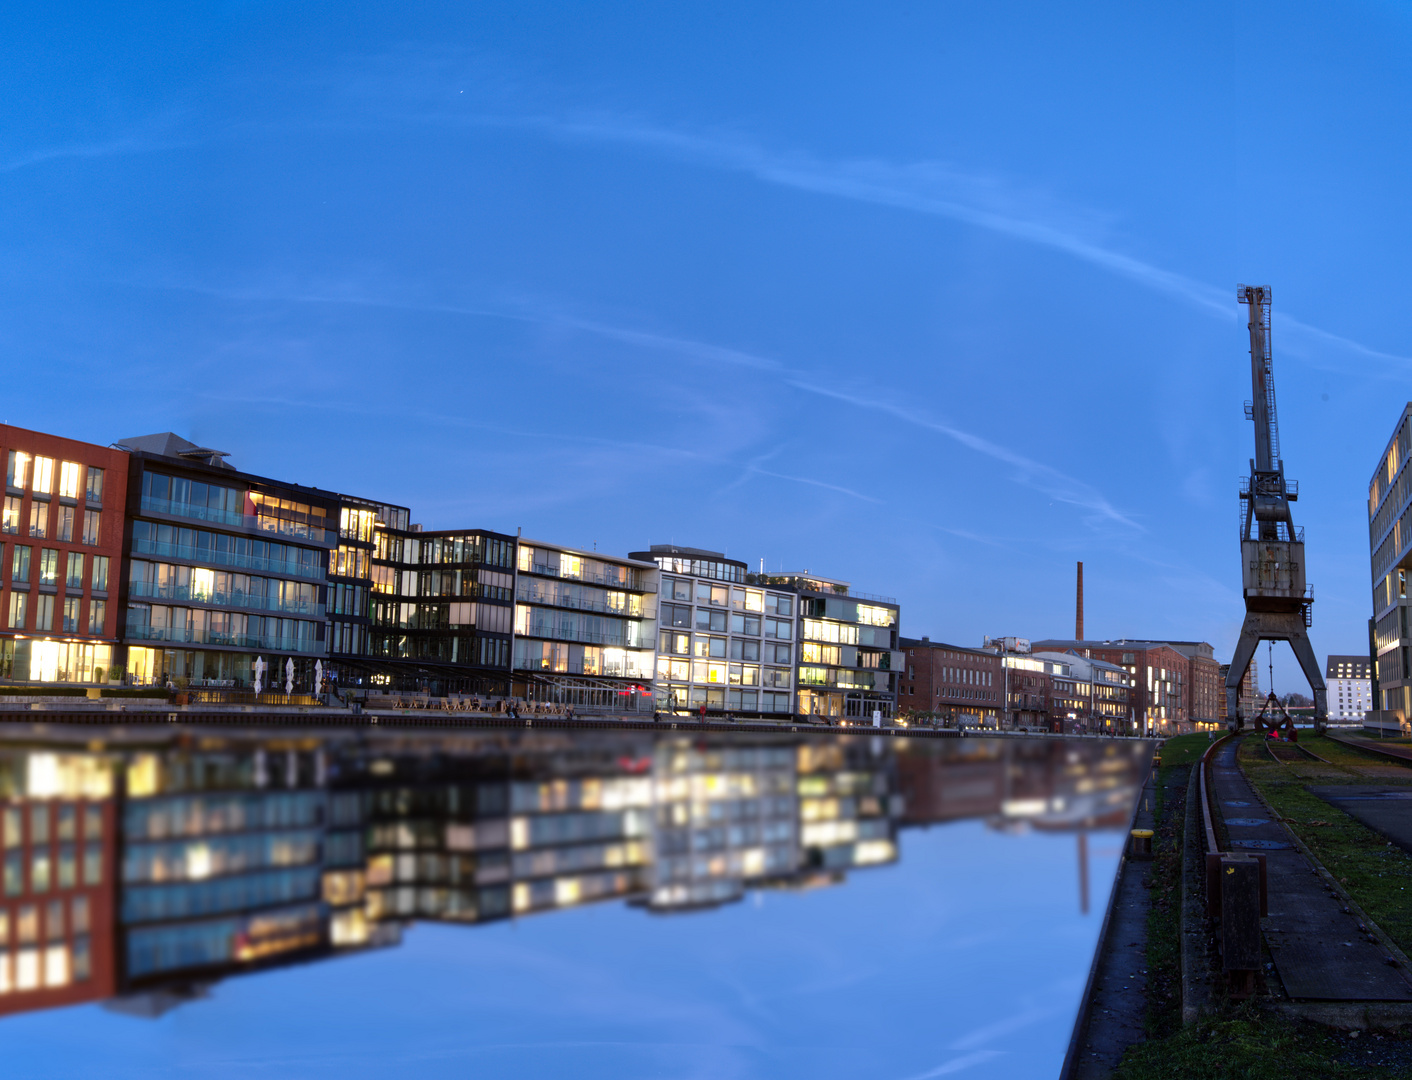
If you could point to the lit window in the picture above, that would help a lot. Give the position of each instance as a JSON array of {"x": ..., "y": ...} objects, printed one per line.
[
  {"x": 97, "y": 616},
  {"x": 92, "y": 527},
  {"x": 39, "y": 519},
  {"x": 100, "y": 573},
  {"x": 48, "y": 566},
  {"x": 43, "y": 474},
  {"x": 17, "y": 472},
  {"x": 10, "y": 522},
  {"x": 93, "y": 864},
  {"x": 95, "y": 485},
  {"x": 27, "y": 969},
  {"x": 68, "y": 479},
  {"x": 71, "y": 614},
  {"x": 56, "y": 965},
  {"x": 19, "y": 608}
]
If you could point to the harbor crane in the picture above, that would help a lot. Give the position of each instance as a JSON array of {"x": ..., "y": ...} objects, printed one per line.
[{"x": 1278, "y": 603}]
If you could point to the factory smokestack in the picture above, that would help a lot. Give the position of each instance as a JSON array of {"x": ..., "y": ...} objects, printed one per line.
[{"x": 1079, "y": 608}]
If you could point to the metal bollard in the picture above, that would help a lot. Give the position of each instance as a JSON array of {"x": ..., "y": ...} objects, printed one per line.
[
  {"x": 1240, "y": 920},
  {"x": 1140, "y": 844}
]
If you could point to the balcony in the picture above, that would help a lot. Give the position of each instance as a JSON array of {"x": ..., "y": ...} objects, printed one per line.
[
  {"x": 611, "y": 671},
  {"x": 587, "y": 637},
  {"x": 634, "y": 583},
  {"x": 183, "y": 635},
  {"x": 254, "y": 523},
  {"x": 530, "y": 595},
  {"x": 211, "y": 557},
  {"x": 244, "y": 601}
]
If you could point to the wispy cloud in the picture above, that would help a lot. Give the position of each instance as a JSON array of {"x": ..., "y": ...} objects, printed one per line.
[
  {"x": 934, "y": 189},
  {"x": 960, "y": 1064}
]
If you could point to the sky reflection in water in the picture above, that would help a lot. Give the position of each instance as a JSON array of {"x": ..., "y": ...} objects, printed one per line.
[{"x": 965, "y": 955}]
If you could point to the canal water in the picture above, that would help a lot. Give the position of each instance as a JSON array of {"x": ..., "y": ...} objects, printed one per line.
[{"x": 329, "y": 905}]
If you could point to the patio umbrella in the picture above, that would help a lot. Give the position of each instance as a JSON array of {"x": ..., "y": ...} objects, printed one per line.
[
  {"x": 289, "y": 676},
  {"x": 259, "y": 673},
  {"x": 318, "y": 675}
]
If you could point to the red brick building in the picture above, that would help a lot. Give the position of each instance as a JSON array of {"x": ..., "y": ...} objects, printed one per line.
[
  {"x": 61, "y": 541},
  {"x": 948, "y": 683},
  {"x": 1163, "y": 678}
]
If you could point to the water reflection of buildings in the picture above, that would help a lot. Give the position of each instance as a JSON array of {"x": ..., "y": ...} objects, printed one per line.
[{"x": 148, "y": 873}]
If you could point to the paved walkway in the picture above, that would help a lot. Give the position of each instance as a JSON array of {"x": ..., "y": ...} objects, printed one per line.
[
  {"x": 1379, "y": 746},
  {"x": 1384, "y": 809},
  {"x": 1318, "y": 950}
]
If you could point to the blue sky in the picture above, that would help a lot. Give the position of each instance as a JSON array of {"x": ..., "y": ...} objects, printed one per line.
[{"x": 935, "y": 298}]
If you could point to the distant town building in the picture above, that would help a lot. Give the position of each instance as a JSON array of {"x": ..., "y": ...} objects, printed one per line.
[
  {"x": 1251, "y": 700},
  {"x": 1089, "y": 696},
  {"x": 1350, "y": 685},
  {"x": 1390, "y": 553},
  {"x": 1163, "y": 674},
  {"x": 950, "y": 684}
]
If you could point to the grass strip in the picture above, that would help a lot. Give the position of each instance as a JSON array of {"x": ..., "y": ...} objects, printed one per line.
[
  {"x": 1252, "y": 1045},
  {"x": 1339, "y": 753},
  {"x": 1376, "y": 873}
]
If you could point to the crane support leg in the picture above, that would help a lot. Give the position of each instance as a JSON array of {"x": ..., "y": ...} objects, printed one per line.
[{"x": 1275, "y": 626}]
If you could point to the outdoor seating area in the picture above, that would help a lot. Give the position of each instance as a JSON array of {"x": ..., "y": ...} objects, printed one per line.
[{"x": 470, "y": 703}]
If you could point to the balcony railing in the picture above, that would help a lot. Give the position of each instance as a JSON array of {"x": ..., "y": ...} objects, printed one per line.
[
  {"x": 245, "y": 601},
  {"x": 286, "y": 567},
  {"x": 612, "y": 671},
  {"x": 530, "y": 595},
  {"x": 553, "y": 633},
  {"x": 634, "y": 583},
  {"x": 257, "y": 523},
  {"x": 185, "y": 635}
]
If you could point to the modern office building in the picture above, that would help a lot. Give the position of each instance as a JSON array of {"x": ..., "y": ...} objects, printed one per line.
[
  {"x": 949, "y": 684},
  {"x": 1390, "y": 553},
  {"x": 222, "y": 569},
  {"x": 724, "y": 643},
  {"x": 585, "y": 627},
  {"x": 1350, "y": 685},
  {"x": 440, "y": 608},
  {"x": 848, "y": 661},
  {"x": 60, "y": 559}
]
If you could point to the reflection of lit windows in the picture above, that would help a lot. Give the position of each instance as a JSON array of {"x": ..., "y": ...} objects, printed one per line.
[
  {"x": 10, "y": 522},
  {"x": 97, "y": 616},
  {"x": 95, "y": 485},
  {"x": 92, "y": 525},
  {"x": 65, "y": 531},
  {"x": 71, "y": 614},
  {"x": 73, "y": 579},
  {"x": 100, "y": 573},
  {"x": 48, "y": 566},
  {"x": 39, "y": 518}
]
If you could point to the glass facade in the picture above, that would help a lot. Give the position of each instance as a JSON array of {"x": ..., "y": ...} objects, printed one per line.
[
  {"x": 223, "y": 569},
  {"x": 585, "y": 627}
]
